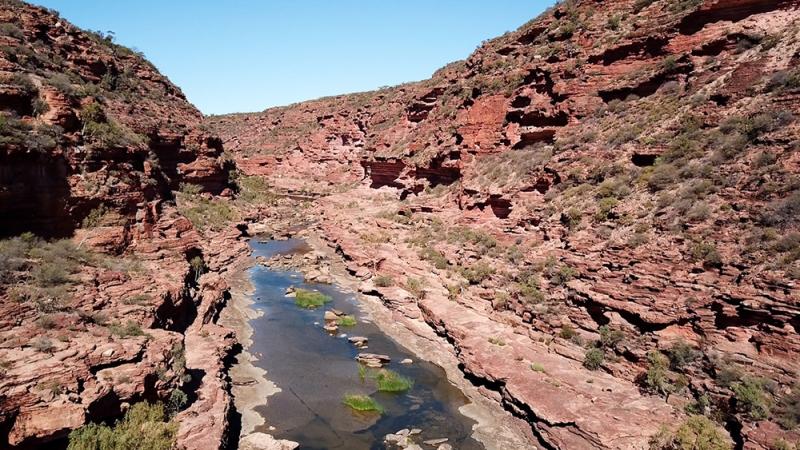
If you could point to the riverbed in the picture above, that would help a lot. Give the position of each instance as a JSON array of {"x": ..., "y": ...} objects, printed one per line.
[{"x": 314, "y": 369}]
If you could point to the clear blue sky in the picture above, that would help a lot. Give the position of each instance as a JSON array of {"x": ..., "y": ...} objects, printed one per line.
[{"x": 247, "y": 55}]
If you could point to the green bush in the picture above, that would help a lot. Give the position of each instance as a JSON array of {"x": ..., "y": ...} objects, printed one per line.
[
  {"x": 604, "y": 208},
  {"x": 787, "y": 411},
  {"x": 255, "y": 190},
  {"x": 95, "y": 217},
  {"x": 695, "y": 433},
  {"x": 657, "y": 377},
  {"x": 415, "y": 287},
  {"x": 662, "y": 176},
  {"x": 177, "y": 402},
  {"x": 610, "y": 337},
  {"x": 593, "y": 359},
  {"x": 144, "y": 426},
  {"x": 563, "y": 275},
  {"x": 129, "y": 329},
  {"x": 707, "y": 253},
  {"x": 751, "y": 398},
  {"x": 310, "y": 299},
  {"x": 384, "y": 281},
  {"x": 205, "y": 214},
  {"x": 567, "y": 331},
  {"x": 477, "y": 273},
  {"x": 681, "y": 354},
  {"x": 102, "y": 132},
  {"x": 436, "y": 257},
  {"x": 528, "y": 288},
  {"x": 11, "y": 30}
]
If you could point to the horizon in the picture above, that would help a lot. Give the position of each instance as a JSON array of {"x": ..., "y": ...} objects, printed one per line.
[{"x": 276, "y": 54}]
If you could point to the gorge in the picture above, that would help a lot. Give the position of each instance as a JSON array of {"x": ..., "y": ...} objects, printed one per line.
[{"x": 585, "y": 235}]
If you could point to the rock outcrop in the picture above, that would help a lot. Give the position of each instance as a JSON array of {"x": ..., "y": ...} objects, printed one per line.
[
  {"x": 611, "y": 186},
  {"x": 93, "y": 142},
  {"x": 89, "y": 124}
]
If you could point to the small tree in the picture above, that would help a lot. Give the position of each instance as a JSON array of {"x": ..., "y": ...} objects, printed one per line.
[
  {"x": 593, "y": 358},
  {"x": 696, "y": 433}
]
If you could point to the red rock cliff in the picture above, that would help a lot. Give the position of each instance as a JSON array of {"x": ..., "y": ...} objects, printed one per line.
[{"x": 617, "y": 175}]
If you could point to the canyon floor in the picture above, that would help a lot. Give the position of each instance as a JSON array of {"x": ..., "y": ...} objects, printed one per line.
[{"x": 592, "y": 224}]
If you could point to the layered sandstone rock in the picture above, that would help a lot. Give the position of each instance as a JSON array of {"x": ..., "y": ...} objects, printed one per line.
[
  {"x": 93, "y": 140},
  {"x": 624, "y": 168},
  {"x": 58, "y": 162}
]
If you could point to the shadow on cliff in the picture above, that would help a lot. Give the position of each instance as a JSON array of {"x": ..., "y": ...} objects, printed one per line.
[{"x": 33, "y": 195}]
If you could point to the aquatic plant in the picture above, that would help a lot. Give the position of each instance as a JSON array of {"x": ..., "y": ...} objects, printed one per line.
[
  {"x": 391, "y": 381},
  {"x": 346, "y": 321},
  {"x": 362, "y": 403},
  {"x": 310, "y": 299}
]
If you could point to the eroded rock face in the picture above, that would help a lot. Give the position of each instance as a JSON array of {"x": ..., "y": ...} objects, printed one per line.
[
  {"x": 93, "y": 142},
  {"x": 621, "y": 173},
  {"x": 60, "y": 158}
]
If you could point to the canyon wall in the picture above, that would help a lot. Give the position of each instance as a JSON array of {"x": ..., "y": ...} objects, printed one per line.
[
  {"x": 613, "y": 186},
  {"x": 93, "y": 142}
]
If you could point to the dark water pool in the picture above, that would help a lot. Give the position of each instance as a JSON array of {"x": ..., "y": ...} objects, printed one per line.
[{"x": 315, "y": 370}]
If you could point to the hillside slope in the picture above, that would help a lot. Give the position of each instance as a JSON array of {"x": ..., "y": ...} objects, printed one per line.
[
  {"x": 614, "y": 186},
  {"x": 93, "y": 141},
  {"x": 85, "y": 120}
]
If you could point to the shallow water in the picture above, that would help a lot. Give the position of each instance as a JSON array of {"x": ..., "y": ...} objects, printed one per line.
[{"x": 315, "y": 369}]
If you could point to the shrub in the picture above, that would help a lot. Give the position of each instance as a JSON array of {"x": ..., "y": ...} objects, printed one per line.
[
  {"x": 696, "y": 433},
  {"x": 593, "y": 358},
  {"x": 528, "y": 288},
  {"x": 657, "y": 378},
  {"x": 567, "y": 331},
  {"x": 436, "y": 257},
  {"x": 129, "y": 329},
  {"x": 571, "y": 218},
  {"x": 415, "y": 287},
  {"x": 310, "y": 299},
  {"x": 661, "y": 177},
  {"x": 391, "y": 381},
  {"x": 788, "y": 242},
  {"x": 11, "y": 30},
  {"x": 638, "y": 239},
  {"x": 43, "y": 344},
  {"x": 639, "y": 5},
  {"x": 384, "y": 281},
  {"x": 610, "y": 337},
  {"x": 604, "y": 208},
  {"x": 536, "y": 367},
  {"x": 784, "y": 80},
  {"x": 483, "y": 240},
  {"x": 255, "y": 190},
  {"x": 681, "y": 354},
  {"x": 751, "y": 398},
  {"x": 494, "y": 340},
  {"x": 144, "y": 426},
  {"x": 670, "y": 63},
  {"x": 563, "y": 275},
  {"x": 707, "y": 253},
  {"x": 95, "y": 217},
  {"x": 177, "y": 402},
  {"x": 477, "y": 272},
  {"x": 728, "y": 374},
  {"x": 787, "y": 411},
  {"x": 362, "y": 403}
]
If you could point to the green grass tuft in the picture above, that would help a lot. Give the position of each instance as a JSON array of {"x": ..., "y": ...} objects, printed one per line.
[
  {"x": 347, "y": 321},
  {"x": 362, "y": 403},
  {"x": 390, "y": 381},
  {"x": 310, "y": 299}
]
